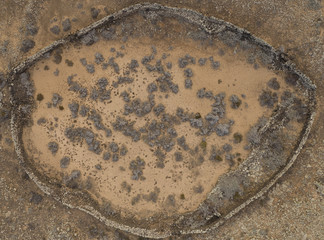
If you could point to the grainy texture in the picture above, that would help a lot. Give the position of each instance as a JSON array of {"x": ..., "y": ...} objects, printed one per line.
[{"x": 293, "y": 209}]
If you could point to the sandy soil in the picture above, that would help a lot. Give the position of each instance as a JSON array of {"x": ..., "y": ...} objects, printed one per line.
[{"x": 177, "y": 178}]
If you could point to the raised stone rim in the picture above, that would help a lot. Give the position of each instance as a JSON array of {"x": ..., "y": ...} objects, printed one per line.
[{"x": 212, "y": 26}]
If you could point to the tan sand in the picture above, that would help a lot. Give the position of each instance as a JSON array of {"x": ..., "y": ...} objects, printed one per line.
[{"x": 176, "y": 178}]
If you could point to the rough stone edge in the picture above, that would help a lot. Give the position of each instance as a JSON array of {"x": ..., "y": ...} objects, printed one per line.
[{"x": 210, "y": 25}]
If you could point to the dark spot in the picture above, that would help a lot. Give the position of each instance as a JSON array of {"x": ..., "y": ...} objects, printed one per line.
[
  {"x": 292, "y": 79},
  {"x": 201, "y": 93},
  {"x": 57, "y": 58},
  {"x": 202, "y": 61},
  {"x": 41, "y": 121},
  {"x": 94, "y": 12},
  {"x": 188, "y": 72},
  {"x": 55, "y": 29},
  {"x": 215, "y": 64},
  {"x": 56, "y": 99},
  {"x": 113, "y": 147},
  {"x": 274, "y": 84},
  {"x": 106, "y": 156},
  {"x": 64, "y": 162},
  {"x": 198, "y": 189},
  {"x": 66, "y": 24},
  {"x": 90, "y": 68},
  {"x": 115, "y": 157},
  {"x": 235, "y": 101},
  {"x": 197, "y": 116},
  {"x": 268, "y": 99},
  {"x": 227, "y": 147},
  {"x": 152, "y": 87},
  {"x": 178, "y": 156},
  {"x": 182, "y": 196},
  {"x": 188, "y": 83},
  {"x": 237, "y": 137},
  {"x": 123, "y": 150},
  {"x": 69, "y": 62},
  {"x": 53, "y": 147},
  {"x": 171, "y": 200},
  {"x": 203, "y": 144},
  {"x": 31, "y": 29},
  {"x": 40, "y": 97},
  {"x": 56, "y": 73},
  {"x": 27, "y": 45},
  {"x": 222, "y": 129},
  {"x": 215, "y": 155},
  {"x": 90, "y": 38},
  {"x": 109, "y": 34},
  {"x": 36, "y": 198},
  {"x": 137, "y": 166}
]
